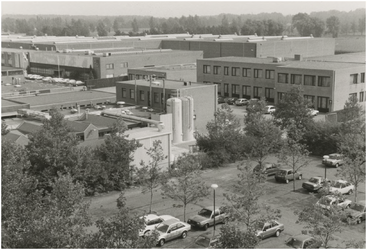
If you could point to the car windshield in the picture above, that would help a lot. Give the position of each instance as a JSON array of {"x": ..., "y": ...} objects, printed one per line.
[
  {"x": 151, "y": 222},
  {"x": 205, "y": 213},
  {"x": 295, "y": 243},
  {"x": 282, "y": 172},
  {"x": 334, "y": 157},
  {"x": 336, "y": 185},
  {"x": 163, "y": 228},
  {"x": 260, "y": 226},
  {"x": 314, "y": 180},
  {"x": 203, "y": 241},
  {"x": 357, "y": 207},
  {"x": 325, "y": 201}
]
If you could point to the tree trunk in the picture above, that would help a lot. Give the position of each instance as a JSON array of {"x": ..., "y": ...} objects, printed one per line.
[
  {"x": 151, "y": 200},
  {"x": 294, "y": 183},
  {"x": 355, "y": 193},
  {"x": 184, "y": 212}
]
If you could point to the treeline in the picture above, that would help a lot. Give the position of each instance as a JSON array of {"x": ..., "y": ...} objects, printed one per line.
[{"x": 317, "y": 23}]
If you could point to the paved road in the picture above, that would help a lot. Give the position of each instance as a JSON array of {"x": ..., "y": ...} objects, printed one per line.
[{"x": 278, "y": 195}]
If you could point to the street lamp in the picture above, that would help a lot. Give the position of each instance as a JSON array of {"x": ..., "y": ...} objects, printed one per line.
[{"x": 214, "y": 186}]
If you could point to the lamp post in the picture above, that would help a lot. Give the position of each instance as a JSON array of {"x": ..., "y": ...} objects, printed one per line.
[{"x": 214, "y": 186}]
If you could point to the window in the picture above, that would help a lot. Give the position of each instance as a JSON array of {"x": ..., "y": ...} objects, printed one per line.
[
  {"x": 235, "y": 90},
  {"x": 282, "y": 78},
  {"x": 141, "y": 95},
  {"x": 310, "y": 99},
  {"x": 226, "y": 69},
  {"x": 132, "y": 94},
  {"x": 109, "y": 76},
  {"x": 226, "y": 89},
  {"x": 257, "y": 92},
  {"x": 235, "y": 71},
  {"x": 322, "y": 102},
  {"x": 219, "y": 87},
  {"x": 354, "y": 78},
  {"x": 354, "y": 96},
  {"x": 124, "y": 65},
  {"x": 269, "y": 94},
  {"x": 206, "y": 69},
  {"x": 156, "y": 97},
  {"x": 124, "y": 92},
  {"x": 324, "y": 81},
  {"x": 216, "y": 70},
  {"x": 280, "y": 95},
  {"x": 246, "y": 72},
  {"x": 269, "y": 74},
  {"x": 309, "y": 80},
  {"x": 362, "y": 77},
  {"x": 246, "y": 92},
  {"x": 296, "y": 79},
  {"x": 110, "y": 66},
  {"x": 361, "y": 96},
  {"x": 258, "y": 73}
]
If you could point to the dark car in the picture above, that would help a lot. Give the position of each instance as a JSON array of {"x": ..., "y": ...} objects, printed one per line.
[
  {"x": 356, "y": 212},
  {"x": 230, "y": 100},
  {"x": 267, "y": 168},
  {"x": 314, "y": 184},
  {"x": 221, "y": 99},
  {"x": 206, "y": 240},
  {"x": 286, "y": 175},
  {"x": 205, "y": 217}
]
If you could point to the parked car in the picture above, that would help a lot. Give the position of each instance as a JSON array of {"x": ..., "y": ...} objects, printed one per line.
[
  {"x": 267, "y": 168},
  {"x": 152, "y": 221},
  {"x": 98, "y": 107},
  {"x": 332, "y": 200},
  {"x": 312, "y": 112},
  {"x": 356, "y": 212},
  {"x": 221, "y": 99},
  {"x": 303, "y": 241},
  {"x": 286, "y": 175},
  {"x": 205, "y": 217},
  {"x": 230, "y": 100},
  {"x": 73, "y": 111},
  {"x": 314, "y": 184},
  {"x": 334, "y": 160},
  {"x": 241, "y": 102},
  {"x": 205, "y": 240},
  {"x": 341, "y": 186},
  {"x": 171, "y": 229},
  {"x": 78, "y": 83},
  {"x": 268, "y": 229},
  {"x": 269, "y": 109}
]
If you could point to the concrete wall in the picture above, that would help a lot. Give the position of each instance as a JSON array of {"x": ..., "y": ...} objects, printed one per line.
[
  {"x": 103, "y": 83},
  {"x": 62, "y": 59}
]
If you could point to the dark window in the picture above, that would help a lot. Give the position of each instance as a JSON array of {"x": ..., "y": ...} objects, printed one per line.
[
  {"x": 141, "y": 95},
  {"x": 310, "y": 99},
  {"x": 235, "y": 71},
  {"x": 269, "y": 94},
  {"x": 269, "y": 74},
  {"x": 226, "y": 89},
  {"x": 235, "y": 90},
  {"x": 246, "y": 92},
  {"x": 219, "y": 87},
  {"x": 309, "y": 80},
  {"x": 206, "y": 69},
  {"x": 226, "y": 69},
  {"x": 156, "y": 97},
  {"x": 361, "y": 96},
  {"x": 258, "y": 73},
  {"x": 280, "y": 95},
  {"x": 123, "y": 92},
  {"x": 282, "y": 78},
  {"x": 257, "y": 92},
  {"x": 246, "y": 72},
  {"x": 324, "y": 81},
  {"x": 296, "y": 79},
  {"x": 110, "y": 66},
  {"x": 216, "y": 70},
  {"x": 354, "y": 78},
  {"x": 362, "y": 77},
  {"x": 132, "y": 94},
  {"x": 322, "y": 103}
]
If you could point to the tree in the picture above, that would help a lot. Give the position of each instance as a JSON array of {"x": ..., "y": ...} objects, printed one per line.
[
  {"x": 333, "y": 25},
  {"x": 293, "y": 153},
  {"x": 52, "y": 150},
  {"x": 101, "y": 29},
  {"x": 292, "y": 108},
  {"x": 353, "y": 27},
  {"x": 231, "y": 236},
  {"x": 135, "y": 26},
  {"x": 362, "y": 25},
  {"x": 4, "y": 128},
  {"x": 116, "y": 155},
  {"x": 245, "y": 206},
  {"x": 223, "y": 141},
  {"x": 150, "y": 174},
  {"x": 121, "y": 230},
  {"x": 307, "y": 25},
  {"x": 323, "y": 223},
  {"x": 187, "y": 185}
]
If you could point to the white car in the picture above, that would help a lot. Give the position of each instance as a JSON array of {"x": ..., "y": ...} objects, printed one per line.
[
  {"x": 312, "y": 112},
  {"x": 342, "y": 187},
  {"x": 330, "y": 200},
  {"x": 152, "y": 221},
  {"x": 269, "y": 109},
  {"x": 79, "y": 83},
  {"x": 171, "y": 229}
]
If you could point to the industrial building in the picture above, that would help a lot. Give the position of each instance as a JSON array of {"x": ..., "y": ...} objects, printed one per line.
[{"x": 327, "y": 81}]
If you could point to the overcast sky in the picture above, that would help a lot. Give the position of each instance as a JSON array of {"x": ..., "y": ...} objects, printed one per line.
[{"x": 173, "y": 8}]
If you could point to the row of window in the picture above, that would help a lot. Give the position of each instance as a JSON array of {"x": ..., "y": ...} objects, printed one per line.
[
  {"x": 246, "y": 91},
  {"x": 362, "y": 96},
  {"x": 157, "y": 97},
  {"x": 236, "y": 71},
  {"x": 354, "y": 78},
  {"x": 112, "y": 65}
]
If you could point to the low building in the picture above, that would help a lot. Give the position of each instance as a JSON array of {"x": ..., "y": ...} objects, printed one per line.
[
  {"x": 327, "y": 81},
  {"x": 12, "y": 75},
  {"x": 16, "y": 138}
]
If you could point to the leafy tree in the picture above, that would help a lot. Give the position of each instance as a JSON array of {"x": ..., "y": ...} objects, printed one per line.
[
  {"x": 52, "y": 149},
  {"x": 333, "y": 25},
  {"x": 187, "y": 185},
  {"x": 102, "y": 29},
  {"x": 245, "y": 206},
  {"x": 116, "y": 155},
  {"x": 135, "y": 26},
  {"x": 353, "y": 27},
  {"x": 4, "y": 128},
  {"x": 352, "y": 117},
  {"x": 293, "y": 153},
  {"x": 231, "y": 236},
  {"x": 292, "y": 108},
  {"x": 362, "y": 25},
  {"x": 150, "y": 174},
  {"x": 307, "y": 25},
  {"x": 121, "y": 230},
  {"x": 322, "y": 223},
  {"x": 223, "y": 142}
]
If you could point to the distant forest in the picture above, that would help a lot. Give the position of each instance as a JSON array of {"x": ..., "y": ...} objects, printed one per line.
[{"x": 327, "y": 23}]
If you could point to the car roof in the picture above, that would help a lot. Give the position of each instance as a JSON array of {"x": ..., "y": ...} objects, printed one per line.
[
  {"x": 149, "y": 217},
  {"x": 302, "y": 237},
  {"x": 170, "y": 222},
  {"x": 335, "y": 154},
  {"x": 285, "y": 169},
  {"x": 167, "y": 217},
  {"x": 341, "y": 181},
  {"x": 270, "y": 106}
]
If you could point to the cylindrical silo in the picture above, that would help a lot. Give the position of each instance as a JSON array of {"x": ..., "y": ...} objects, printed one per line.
[
  {"x": 187, "y": 118},
  {"x": 174, "y": 107},
  {"x": 190, "y": 131}
]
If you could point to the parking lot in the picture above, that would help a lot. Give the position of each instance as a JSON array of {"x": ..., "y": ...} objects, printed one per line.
[{"x": 278, "y": 195}]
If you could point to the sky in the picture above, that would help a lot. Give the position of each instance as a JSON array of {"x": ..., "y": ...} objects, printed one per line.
[{"x": 173, "y": 8}]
